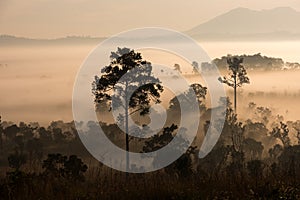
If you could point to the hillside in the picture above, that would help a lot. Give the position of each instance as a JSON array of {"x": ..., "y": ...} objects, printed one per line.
[{"x": 243, "y": 23}]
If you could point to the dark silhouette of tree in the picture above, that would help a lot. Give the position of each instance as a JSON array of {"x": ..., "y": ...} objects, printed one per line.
[
  {"x": 19, "y": 141},
  {"x": 195, "y": 90},
  {"x": 74, "y": 168},
  {"x": 289, "y": 162},
  {"x": 276, "y": 151},
  {"x": 34, "y": 148},
  {"x": 11, "y": 131},
  {"x": 195, "y": 66},
  {"x": 255, "y": 168},
  {"x": 252, "y": 148},
  {"x": 16, "y": 160},
  {"x": 216, "y": 160},
  {"x": 1, "y": 133},
  {"x": 237, "y": 76},
  {"x": 54, "y": 164},
  {"x": 233, "y": 134},
  {"x": 177, "y": 68},
  {"x": 298, "y": 137},
  {"x": 44, "y": 135},
  {"x": 234, "y": 130},
  {"x": 26, "y": 131},
  {"x": 159, "y": 140},
  {"x": 127, "y": 74},
  {"x": 183, "y": 165},
  {"x": 58, "y": 135},
  {"x": 282, "y": 133},
  {"x": 71, "y": 168},
  {"x": 296, "y": 126}
]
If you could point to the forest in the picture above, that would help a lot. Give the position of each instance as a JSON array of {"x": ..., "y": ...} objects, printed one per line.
[{"x": 256, "y": 157}]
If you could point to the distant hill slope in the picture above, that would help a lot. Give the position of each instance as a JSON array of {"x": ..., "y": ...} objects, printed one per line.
[
  {"x": 13, "y": 40},
  {"x": 243, "y": 23}
]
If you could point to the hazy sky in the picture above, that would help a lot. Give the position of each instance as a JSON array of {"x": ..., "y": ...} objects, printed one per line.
[{"x": 58, "y": 18}]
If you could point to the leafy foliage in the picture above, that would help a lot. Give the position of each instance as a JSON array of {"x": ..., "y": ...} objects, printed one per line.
[
  {"x": 127, "y": 74},
  {"x": 237, "y": 73}
]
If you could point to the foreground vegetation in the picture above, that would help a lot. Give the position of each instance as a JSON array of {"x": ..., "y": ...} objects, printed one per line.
[{"x": 258, "y": 158}]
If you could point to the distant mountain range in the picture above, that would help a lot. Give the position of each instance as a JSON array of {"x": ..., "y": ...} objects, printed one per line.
[
  {"x": 281, "y": 23},
  {"x": 13, "y": 40}
]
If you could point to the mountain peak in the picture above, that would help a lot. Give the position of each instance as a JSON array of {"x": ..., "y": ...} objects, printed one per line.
[
  {"x": 285, "y": 9},
  {"x": 246, "y": 23},
  {"x": 240, "y": 9}
]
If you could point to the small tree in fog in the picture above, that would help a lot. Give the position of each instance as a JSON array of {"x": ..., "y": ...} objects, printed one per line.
[
  {"x": 237, "y": 75},
  {"x": 282, "y": 133},
  {"x": 195, "y": 66},
  {"x": 195, "y": 90},
  {"x": 127, "y": 74},
  {"x": 177, "y": 68}
]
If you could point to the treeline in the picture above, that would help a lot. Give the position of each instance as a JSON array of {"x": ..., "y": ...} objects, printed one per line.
[
  {"x": 256, "y": 158},
  {"x": 254, "y": 62}
]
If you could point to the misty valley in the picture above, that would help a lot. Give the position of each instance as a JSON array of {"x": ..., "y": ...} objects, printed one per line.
[{"x": 257, "y": 156}]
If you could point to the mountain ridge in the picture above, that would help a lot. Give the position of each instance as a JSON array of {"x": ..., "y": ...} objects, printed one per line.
[{"x": 280, "y": 22}]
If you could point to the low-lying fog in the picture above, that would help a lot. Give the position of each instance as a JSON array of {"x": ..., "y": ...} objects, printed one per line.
[{"x": 36, "y": 82}]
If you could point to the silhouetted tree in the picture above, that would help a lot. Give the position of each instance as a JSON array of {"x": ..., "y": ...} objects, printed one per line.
[
  {"x": 54, "y": 164},
  {"x": 16, "y": 160},
  {"x": 195, "y": 66},
  {"x": 298, "y": 137},
  {"x": 195, "y": 90},
  {"x": 296, "y": 126},
  {"x": 177, "y": 68},
  {"x": 44, "y": 135},
  {"x": 34, "y": 148},
  {"x": 289, "y": 162},
  {"x": 1, "y": 133},
  {"x": 237, "y": 75},
  {"x": 235, "y": 129},
  {"x": 252, "y": 148},
  {"x": 26, "y": 131},
  {"x": 276, "y": 151},
  {"x": 74, "y": 168},
  {"x": 11, "y": 131},
  {"x": 255, "y": 168},
  {"x": 61, "y": 166},
  {"x": 282, "y": 133},
  {"x": 127, "y": 74},
  {"x": 183, "y": 165},
  {"x": 58, "y": 135}
]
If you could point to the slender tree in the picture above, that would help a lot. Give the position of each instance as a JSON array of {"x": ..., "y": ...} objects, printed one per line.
[
  {"x": 237, "y": 76},
  {"x": 195, "y": 66},
  {"x": 177, "y": 68},
  {"x": 129, "y": 81},
  {"x": 1, "y": 133}
]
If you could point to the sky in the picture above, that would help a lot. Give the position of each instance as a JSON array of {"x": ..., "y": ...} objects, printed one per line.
[{"x": 103, "y": 18}]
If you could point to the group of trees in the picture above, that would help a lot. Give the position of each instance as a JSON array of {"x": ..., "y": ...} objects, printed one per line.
[
  {"x": 254, "y": 158},
  {"x": 253, "y": 62}
]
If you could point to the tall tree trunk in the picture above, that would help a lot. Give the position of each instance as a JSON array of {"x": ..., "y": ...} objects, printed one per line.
[
  {"x": 126, "y": 128},
  {"x": 235, "y": 93},
  {"x": 1, "y": 133},
  {"x": 1, "y": 141}
]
